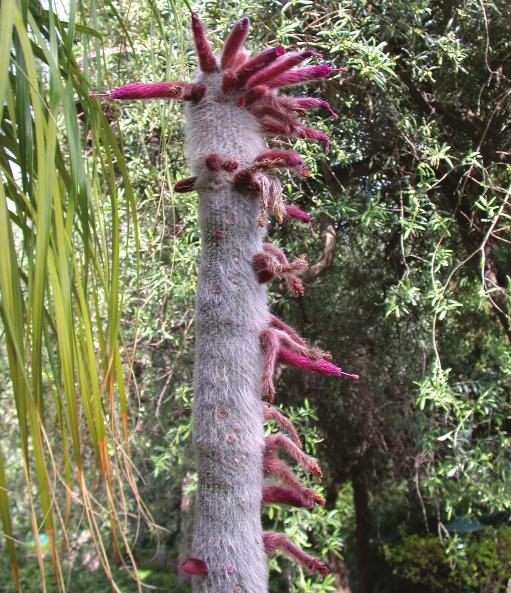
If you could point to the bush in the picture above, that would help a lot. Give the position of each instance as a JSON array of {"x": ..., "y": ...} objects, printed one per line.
[{"x": 473, "y": 563}]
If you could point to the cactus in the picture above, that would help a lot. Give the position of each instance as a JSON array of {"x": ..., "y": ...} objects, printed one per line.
[{"x": 230, "y": 108}]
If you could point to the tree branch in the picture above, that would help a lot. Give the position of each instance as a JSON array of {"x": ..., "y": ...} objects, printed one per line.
[{"x": 328, "y": 243}]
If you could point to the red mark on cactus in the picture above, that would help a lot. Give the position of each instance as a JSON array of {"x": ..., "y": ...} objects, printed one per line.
[
  {"x": 322, "y": 366},
  {"x": 194, "y": 566},
  {"x": 213, "y": 162},
  {"x": 272, "y": 413},
  {"x": 207, "y": 61},
  {"x": 278, "y": 541},
  {"x": 282, "y": 495},
  {"x": 234, "y": 42},
  {"x": 230, "y": 166},
  {"x": 185, "y": 185},
  {"x": 218, "y": 235}
]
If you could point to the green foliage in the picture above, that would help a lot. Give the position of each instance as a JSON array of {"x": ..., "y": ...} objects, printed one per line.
[
  {"x": 479, "y": 562},
  {"x": 84, "y": 581}
]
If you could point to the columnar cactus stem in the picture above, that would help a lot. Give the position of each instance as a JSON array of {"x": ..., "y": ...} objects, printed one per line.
[{"x": 229, "y": 108}]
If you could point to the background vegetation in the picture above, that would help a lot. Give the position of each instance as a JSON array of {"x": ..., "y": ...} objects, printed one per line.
[{"x": 409, "y": 288}]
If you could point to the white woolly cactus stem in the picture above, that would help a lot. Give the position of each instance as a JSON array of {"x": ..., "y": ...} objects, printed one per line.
[{"x": 233, "y": 102}]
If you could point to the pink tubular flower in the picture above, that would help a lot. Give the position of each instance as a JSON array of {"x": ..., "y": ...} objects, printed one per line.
[
  {"x": 286, "y": 270},
  {"x": 258, "y": 62},
  {"x": 179, "y": 91},
  {"x": 282, "y": 495},
  {"x": 296, "y": 286},
  {"x": 270, "y": 125},
  {"x": 255, "y": 94},
  {"x": 304, "y": 103},
  {"x": 278, "y": 541},
  {"x": 270, "y": 347},
  {"x": 194, "y": 566},
  {"x": 185, "y": 185},
  {"x": 241, "y": 57},
  {"x": 275, "y": 467},
  {"x": 267, "y": 265},
  {"x": 322, "y": 366},
  {"x": 315, "y": 135},
  {"x": 262, "y": 109},
  {"x": 207, "y": 61},
  {"x": 271, "y": 159},
  {"x": 272, "y": 413},
  {"x": 298, "y": 214},
  {"x": 234, "y": 42},
  {"x": 275, "y": 442},
  {"x": 282, "y": 65},
  {"x": 302, "y": 75}
]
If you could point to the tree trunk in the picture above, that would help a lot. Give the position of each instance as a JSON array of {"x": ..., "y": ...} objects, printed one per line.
[
  {"x": 339, "y": 571},
  {"x": 362, "y": 533}
]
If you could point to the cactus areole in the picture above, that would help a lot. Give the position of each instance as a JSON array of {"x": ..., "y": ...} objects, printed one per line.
[{"x": 230, "y": 109}]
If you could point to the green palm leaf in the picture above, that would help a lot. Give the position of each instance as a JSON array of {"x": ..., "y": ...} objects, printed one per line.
[{"x": 62, "y": 221}]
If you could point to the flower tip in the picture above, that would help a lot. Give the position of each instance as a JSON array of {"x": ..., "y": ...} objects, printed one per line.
[
  {"x": 309, "y": 53},
  {"x": 350, "y": 375},
  {"x": 280, "y": 50},
  {"x": 196, "y": 22},
  {"x": 244, "y": 23}
]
